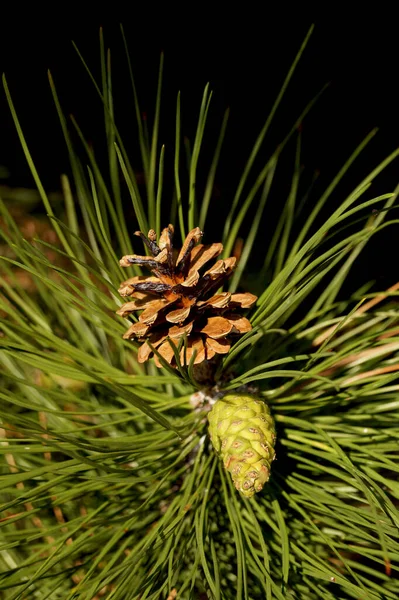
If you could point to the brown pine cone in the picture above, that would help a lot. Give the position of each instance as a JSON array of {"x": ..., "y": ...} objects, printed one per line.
[{"x": 179, "y": 300}]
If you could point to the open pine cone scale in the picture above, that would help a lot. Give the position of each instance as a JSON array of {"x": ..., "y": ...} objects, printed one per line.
[{"x": 178, "y": 300}]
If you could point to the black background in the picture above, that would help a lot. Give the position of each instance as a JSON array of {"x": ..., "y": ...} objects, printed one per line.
[{"x": 245, "y": 57}]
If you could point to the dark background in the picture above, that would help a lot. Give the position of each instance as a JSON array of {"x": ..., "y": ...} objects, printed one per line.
[{"x": 245, "y": 58}]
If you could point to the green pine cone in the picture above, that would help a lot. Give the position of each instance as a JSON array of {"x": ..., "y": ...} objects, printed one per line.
[{"x": 242, "y": 432}]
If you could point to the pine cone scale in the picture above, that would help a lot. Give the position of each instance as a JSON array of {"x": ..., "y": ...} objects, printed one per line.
[
  {"x": 217, "y": 327},
  {"x": 177, "y": 331},
  {"x": 221, "y": 346},
  {"x": 202, "y": 254},
  {"x": 191, "y": 240}
]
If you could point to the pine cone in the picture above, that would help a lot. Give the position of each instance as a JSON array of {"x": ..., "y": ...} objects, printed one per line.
[
  {"x": 242, "y": 432},
  {"x": 179, "y": 300}
]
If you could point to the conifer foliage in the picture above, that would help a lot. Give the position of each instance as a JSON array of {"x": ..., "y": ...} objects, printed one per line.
[{"x": 139, "y": 464}]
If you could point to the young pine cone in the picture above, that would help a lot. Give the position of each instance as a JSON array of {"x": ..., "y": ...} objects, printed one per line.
[
  {"x": 242, "y": 432},
  {"x": 179, "y": 300}
]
